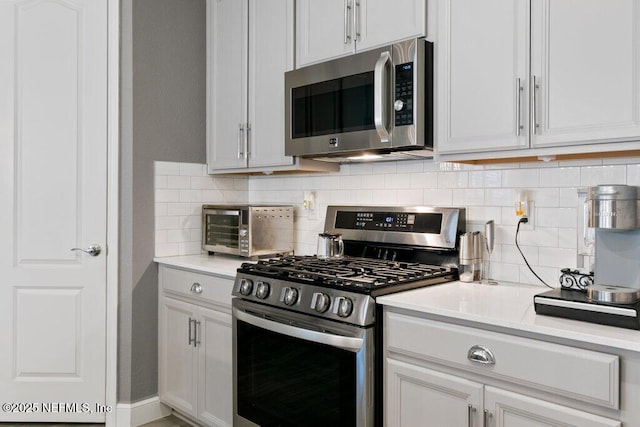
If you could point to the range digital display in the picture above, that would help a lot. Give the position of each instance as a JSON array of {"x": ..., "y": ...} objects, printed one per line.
[{"x": 415, "y": 222}]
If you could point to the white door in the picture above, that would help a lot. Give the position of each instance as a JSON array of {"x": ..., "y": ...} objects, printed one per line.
[
  {"x": 270, "y": 55},
  {"x": 382, "y": 22},
  {"x": 586, "y": 61},
  {"x": 507, "y": 409},
  {"x": 227, "y": 84},
  {"x": 324, "y": 30},
  {"x": 482, "y": 56},
  {"x": 53, "y": 166},
  {"x": 417, "y": 396}
]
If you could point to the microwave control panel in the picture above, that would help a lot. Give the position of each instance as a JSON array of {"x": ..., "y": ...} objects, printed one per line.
[{"x": 403, "y": 104}]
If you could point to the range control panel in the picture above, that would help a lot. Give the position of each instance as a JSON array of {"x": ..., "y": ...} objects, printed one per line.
[{"x": 421, "y": 222}]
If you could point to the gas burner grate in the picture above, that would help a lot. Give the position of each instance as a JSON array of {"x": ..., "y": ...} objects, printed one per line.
[{"x": 350, "y": 272}]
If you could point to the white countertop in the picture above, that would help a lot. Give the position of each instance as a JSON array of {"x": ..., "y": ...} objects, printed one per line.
[
  {"x": 218, "y": 265},
  {"x": 509, "y": 306}
]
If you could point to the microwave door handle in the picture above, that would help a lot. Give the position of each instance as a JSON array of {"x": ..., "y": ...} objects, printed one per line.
[
  {"x": 380, "y": 101},
  {"x": 345, "y": 343}
]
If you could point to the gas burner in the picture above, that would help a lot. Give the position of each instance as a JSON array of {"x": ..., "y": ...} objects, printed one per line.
[{"x": 357, "y": 274}]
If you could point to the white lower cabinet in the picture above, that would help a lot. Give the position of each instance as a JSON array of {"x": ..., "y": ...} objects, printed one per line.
[
  {"x": 420, "y": 396},
  {"x": 438, "y": 374},
  {"x": 195, "y": 344}
]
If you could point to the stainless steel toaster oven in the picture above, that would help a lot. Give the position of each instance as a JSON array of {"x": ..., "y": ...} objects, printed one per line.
[{"x": 247, "y": 230}]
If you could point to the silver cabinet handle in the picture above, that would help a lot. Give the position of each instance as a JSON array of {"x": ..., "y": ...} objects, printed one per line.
[
  {"x": 481, "y": 354},
  {"x": 191, "y": 340},
  {"x": 347, "y": 33},
  {"x": 356, "y": 21},
  {"x": 469, "y": 415},
  {"x": 534, "y": 94},
  {"x": 248, "y": 141},
  {"x": 196, "y": 288},
  {"x": 485, "y": 418},
  {"x": 519, "y": 90},
  {"x": 380, "y": 95},
  {"x": 196, "y": 332},
  {"x": 240, "y": 139},
  {"x": 94, "y": 249}
]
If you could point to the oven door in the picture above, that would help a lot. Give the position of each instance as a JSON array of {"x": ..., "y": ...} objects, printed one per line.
[{"x": 292, "y": 369}]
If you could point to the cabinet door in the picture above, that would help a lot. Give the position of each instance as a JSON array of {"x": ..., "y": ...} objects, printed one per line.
[
  {"x": 177, "y": 358},
  {"x": 214, "y": 367},
  {"x": 226, "y": 83},
  {"x": 382, "y": 22},
  {"x": 416, "y": 396},
  {"x": 270, "y": 55},
  {"x": 482, "y": 54},
  {"x": 323, "y": 30},
  {"x": 586, "y": 61},
  {"x": 507, "y": 409}
]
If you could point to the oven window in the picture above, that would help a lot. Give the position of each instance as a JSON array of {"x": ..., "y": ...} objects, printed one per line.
[
  {"x": 333, "y": 106},
  {"x": 222, "y": 230},
  {"x": 285, "y": 381}
]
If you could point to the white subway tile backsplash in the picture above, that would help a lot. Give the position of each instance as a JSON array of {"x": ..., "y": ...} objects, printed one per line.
[
  {"x": 487, "y": 191},
  {"x": 560, "y": 177},
  {"x": 193, "y": 169},
  {"x": 164, "y": 195},
  {"x": 167, "y": 168},
  {"x": 190, "y": 196},
  {"x": 596, "y": 175},
  {"x": 520, "y": 178}
]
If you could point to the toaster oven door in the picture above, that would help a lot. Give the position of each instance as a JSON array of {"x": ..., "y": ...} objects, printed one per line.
[{"x": 221, "y": 230}]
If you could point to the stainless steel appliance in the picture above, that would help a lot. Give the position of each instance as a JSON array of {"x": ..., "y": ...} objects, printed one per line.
[
  {"x": 247, "y": 230},
  {"x": 307, "y": 334},
  {"x": 610, "y": 296},
  {"x": 374, "y": 102}
]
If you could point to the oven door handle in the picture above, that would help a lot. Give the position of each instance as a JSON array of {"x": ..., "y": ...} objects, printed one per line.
[{"x": 353, "y": 344}]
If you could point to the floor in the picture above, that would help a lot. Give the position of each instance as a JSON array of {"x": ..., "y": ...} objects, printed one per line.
[{"x": 170, "y": 421}]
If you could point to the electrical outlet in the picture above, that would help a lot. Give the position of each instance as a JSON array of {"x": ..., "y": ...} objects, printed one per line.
[{"x": 310, "y": 205}]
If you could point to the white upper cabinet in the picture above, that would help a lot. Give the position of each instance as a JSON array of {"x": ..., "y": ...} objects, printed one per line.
[
  {"x": 249, "y": 48},
  {"x": 482, "y": 60},
  {"x": 585, "y": 57},
  {"x": 333, "y": 28},
  {"x": 539, "y": 75}
]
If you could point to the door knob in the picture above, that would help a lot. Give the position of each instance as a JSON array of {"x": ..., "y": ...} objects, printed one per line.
[{"x": 93, "y": 249}]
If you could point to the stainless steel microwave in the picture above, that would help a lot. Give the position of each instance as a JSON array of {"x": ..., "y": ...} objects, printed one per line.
[
  {"x": 247, "y": 230},
  {"x": 371, "y": 103}
]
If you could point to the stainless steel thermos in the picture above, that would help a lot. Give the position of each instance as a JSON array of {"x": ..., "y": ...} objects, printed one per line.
[{"x": 471, "y": 256}]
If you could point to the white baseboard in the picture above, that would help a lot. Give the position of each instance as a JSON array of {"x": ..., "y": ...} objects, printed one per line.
[{"x": 142, "y": 412}]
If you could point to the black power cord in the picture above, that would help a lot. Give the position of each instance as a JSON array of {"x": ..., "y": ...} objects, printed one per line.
[{"x": 525, "y": 220}]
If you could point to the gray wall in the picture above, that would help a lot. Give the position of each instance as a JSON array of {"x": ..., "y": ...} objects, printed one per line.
[{"x": 163, "y": 65}]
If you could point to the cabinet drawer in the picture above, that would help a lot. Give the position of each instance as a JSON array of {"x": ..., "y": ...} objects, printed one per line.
[
  {"x": 212, "y": 289},
  {"x": 584, "y": 375}
]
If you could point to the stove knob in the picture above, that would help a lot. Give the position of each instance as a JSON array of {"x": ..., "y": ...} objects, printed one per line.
[
  {"x": 262, "y": 290},
  {"x": 246, "y": 286},
  {"x": 290, "y": 296},
  {"x": 345, "y": 307},
  {"x": 320, "y": 302}
]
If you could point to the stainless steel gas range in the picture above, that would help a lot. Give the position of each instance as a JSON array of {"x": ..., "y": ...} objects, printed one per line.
[{"x": 307, "y": 331}]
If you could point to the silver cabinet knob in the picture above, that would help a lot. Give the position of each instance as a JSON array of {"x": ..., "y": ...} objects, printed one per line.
[
  {"x": 481, "y": 354},
  {"x": 94, "y": 249},
  {"x": 196, "y": 288}
]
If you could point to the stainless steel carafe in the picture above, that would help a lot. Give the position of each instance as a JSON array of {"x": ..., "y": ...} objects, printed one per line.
[
  {"x": 471, "y": 256},
  {"x": 330, "y": 245}
]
